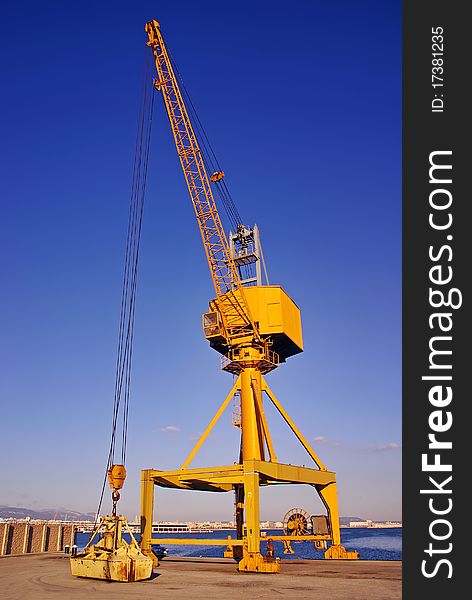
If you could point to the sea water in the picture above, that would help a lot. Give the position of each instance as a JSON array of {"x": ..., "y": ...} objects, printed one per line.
[{"x": 371, "y": 543}]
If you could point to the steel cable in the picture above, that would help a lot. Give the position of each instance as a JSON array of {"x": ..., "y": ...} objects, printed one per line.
[
  {"x": 209, "y": 154},
  {"x": 128, "y": 298}
]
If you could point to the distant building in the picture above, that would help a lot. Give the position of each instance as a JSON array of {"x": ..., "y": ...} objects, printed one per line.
[
  {"x": 367, "y": 523},
  {"x": 375, "y": 524}
]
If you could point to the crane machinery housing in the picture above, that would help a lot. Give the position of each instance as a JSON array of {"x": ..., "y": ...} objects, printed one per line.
[{"x": 255, "y": 327}]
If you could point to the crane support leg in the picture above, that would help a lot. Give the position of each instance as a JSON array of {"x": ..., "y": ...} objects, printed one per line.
[
  {"x": 252, "y": 442},
  {"x": 252, "y": 560},
  {"x": 147, "y": 509},
  {"x": 329, "y": 498},
  {"x": 251, "y": 493}
]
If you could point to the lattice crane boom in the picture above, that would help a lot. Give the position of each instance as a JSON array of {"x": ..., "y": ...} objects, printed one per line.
[{"x": 230, "y": 299}]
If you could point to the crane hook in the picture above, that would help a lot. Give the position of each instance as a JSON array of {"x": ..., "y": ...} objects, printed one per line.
[{"x": 116, "y": 478}]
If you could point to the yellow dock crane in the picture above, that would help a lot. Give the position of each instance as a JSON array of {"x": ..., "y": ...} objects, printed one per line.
[{"x": 254, "y": 328}]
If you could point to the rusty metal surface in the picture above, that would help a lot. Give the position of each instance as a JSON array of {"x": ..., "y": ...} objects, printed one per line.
[{"x": 118, "y": 566}]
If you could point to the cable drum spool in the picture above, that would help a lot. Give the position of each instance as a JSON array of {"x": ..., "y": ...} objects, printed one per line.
[{"x": 296, "y": 522}]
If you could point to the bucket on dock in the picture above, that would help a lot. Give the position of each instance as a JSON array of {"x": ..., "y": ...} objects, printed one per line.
[{"x": 111, "y": 558}]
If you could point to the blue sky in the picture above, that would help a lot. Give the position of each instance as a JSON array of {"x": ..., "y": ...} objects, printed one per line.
[{"x": 302, "y": 103}]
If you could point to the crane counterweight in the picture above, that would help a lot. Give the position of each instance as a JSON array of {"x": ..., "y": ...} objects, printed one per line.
[{"x": 278, "y": 320}]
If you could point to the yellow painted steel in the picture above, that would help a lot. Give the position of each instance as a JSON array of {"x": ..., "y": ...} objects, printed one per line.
[
  {"x": 245, "y": 479},
  {"x": 112, "y": 558},
  {"x": 255, "y": 328},
  {"x": 256, "y": 389},
  {"x": 217, "y": 176},
  {"x": 147, "y": 506},
  {"x": 251, "y": 430},
  {"x": 116, "y": 476},
  {"x": 294, "y": 428},
  {"x": 276, "y": 314},
  {"x": 187, "y": 541},
  {"x": 211, "y": 425}
]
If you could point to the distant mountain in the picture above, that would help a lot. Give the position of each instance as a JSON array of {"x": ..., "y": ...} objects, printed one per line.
[{"x": 61, "y": 514}]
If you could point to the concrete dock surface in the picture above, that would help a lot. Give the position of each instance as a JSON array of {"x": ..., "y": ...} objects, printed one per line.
[{"x": 47, "y": 576}]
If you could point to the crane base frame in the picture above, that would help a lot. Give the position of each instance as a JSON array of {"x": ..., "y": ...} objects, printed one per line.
[
  {"x": 245, "y": 479},
  {"x": 251, "y": 475}
]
